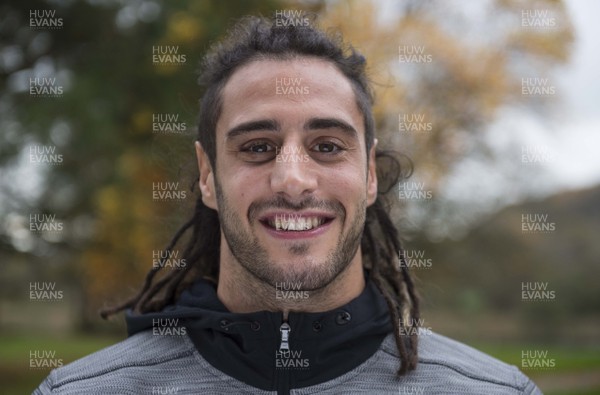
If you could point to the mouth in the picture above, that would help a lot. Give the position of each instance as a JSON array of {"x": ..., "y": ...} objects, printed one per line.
[{"x": 295, "y": 222}]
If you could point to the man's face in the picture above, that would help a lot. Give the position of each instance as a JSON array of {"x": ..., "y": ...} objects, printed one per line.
[{"x": 292, "y": 181}]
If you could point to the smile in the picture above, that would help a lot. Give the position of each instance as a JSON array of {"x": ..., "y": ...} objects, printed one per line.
[{"x": 295, "y": 222}]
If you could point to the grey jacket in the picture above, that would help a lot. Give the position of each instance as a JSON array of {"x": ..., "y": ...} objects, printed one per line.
[
  {"x": 147, "y": 364},
  {"x": 197, "y": 346}
]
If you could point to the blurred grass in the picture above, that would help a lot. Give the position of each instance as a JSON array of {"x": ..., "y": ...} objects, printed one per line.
[
  {"x": 18, "y": 378},
  {"x": 574, "y": 392},
  {"x": 577, "y": 370},
  {"x": 16, "y": 375},
  {"x": 567, "y": 359}
]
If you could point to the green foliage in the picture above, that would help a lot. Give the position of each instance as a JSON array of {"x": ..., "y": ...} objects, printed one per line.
[{"x": 103, "y": 56}]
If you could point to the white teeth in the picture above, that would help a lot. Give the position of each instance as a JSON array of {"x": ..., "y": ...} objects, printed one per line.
[{"x": 295, "y": 223}]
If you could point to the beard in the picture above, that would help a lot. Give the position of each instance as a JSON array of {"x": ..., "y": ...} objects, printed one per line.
[{"x": 311, "y": 274}]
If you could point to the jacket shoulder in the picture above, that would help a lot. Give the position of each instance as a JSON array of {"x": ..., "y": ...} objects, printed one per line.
[
  {"x": 140, "y": 352},
  {"x": 450, "y": 363}
]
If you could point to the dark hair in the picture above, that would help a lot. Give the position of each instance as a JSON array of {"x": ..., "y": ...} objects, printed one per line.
[{"x": 255, "y": 38}]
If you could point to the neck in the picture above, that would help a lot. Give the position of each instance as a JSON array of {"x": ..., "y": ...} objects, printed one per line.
[{"x": 242, "y": 292}]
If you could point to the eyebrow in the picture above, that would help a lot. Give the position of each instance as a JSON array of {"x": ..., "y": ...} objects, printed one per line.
[
  {"x": 273, "y": 125},
  {"x": 330, "y": 123},
  {"x": 253, "y": 126}
]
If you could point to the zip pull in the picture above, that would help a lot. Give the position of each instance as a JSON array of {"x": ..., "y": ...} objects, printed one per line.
[{"x": 285, "y": 335}]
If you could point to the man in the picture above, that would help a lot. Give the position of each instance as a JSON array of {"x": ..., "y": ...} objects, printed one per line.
[{"x": 292, "y": 284}]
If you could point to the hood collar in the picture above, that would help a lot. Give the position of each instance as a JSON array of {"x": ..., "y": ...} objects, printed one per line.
[{"x": 262, "y": 350}]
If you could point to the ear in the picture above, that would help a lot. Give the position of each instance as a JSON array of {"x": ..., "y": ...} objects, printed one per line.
[
  {"x": 207, "y": 179},
  {"x": 372, "y": 175}
]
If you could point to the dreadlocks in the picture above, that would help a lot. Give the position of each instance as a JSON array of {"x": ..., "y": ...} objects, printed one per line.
[{"x": 259, "y": 38}]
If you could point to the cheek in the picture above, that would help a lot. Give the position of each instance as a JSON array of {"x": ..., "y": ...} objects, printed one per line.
[
  {"x": 242, "y": 185},
  {"x": 349, "y": 187}
]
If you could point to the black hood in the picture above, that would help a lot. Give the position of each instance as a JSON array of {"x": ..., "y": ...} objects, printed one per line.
[{"x": 254, "y": 347}]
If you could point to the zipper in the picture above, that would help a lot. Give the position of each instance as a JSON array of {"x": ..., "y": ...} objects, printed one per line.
[
  {"x": 282, "y": 375},
  {"x": 285, "y": 336}
]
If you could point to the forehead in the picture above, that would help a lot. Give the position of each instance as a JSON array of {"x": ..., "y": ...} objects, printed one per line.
[{"x": 300, "y": 87}]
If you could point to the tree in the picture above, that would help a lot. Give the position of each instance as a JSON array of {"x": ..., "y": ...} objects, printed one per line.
[
  {"x": 111, "y": 71},
  {"x": 443, "y": 73}
]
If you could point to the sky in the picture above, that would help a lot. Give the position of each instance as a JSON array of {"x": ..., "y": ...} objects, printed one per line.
[
  {"x": 577, "y": 138},
  {"x": 570, "y": 132}
]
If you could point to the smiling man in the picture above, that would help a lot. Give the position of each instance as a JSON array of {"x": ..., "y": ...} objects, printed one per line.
[
  {"x": 292, "y": 283},
  {"x": 293, "y": 220}
]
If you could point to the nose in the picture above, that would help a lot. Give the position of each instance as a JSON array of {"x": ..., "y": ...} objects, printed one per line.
[{"x": 293, "y": 174}]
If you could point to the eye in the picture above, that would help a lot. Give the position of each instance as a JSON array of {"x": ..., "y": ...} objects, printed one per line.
[
  {"x": 327, "y": 147},
  {"x": 258, "y": 147},
  {"x": 257, "y": 151}
]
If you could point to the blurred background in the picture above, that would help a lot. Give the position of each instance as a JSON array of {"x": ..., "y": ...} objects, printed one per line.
[{"x": 495, "y": 102}]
